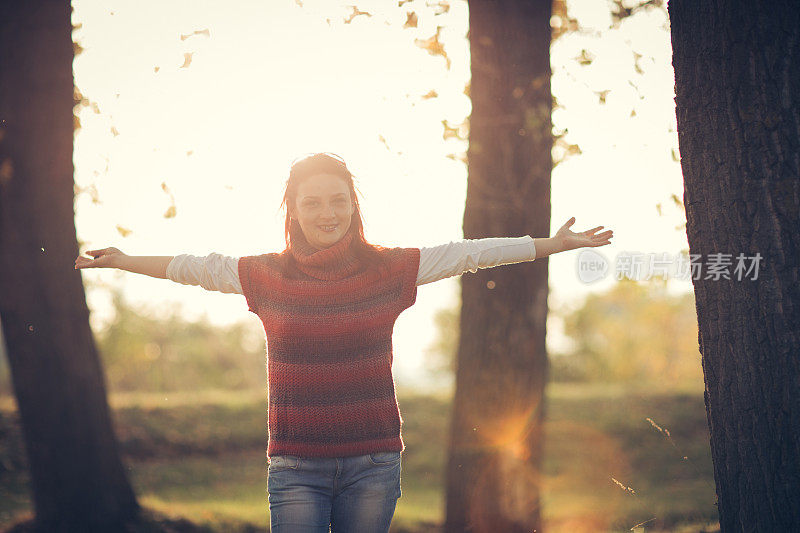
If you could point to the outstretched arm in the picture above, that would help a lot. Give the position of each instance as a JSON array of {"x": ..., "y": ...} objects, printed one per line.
[
  {"x": 468, "y": 255},
  {"x": 154, "y": 266},
  {"x": 213, "y": 272}
]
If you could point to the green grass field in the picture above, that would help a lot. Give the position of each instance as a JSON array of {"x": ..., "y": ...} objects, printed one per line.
[{"x": 201, "y": 456}]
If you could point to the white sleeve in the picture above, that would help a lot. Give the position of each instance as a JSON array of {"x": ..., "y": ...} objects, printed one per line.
[
  {"x": 214, "y": 272},
  {"x": 455, "y": 258}
]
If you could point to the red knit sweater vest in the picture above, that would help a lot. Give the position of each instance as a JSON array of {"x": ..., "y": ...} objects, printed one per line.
[{"x": 328, "y": 319}]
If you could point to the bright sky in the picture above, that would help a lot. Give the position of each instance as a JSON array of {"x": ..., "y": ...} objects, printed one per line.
[{"x": 268, "y": 81}]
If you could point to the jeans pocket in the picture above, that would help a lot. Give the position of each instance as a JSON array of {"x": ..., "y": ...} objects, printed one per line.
[
  {"x": 384, "y": 458},
  {"x": 284, "y": 462}
]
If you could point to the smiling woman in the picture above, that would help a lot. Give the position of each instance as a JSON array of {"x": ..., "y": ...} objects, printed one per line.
[{"x": 328, "y": 303}]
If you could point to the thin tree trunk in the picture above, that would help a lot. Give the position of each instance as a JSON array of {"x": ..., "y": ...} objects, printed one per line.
[
  {"x": 493, "y": 471},
  {"x": 737, "y": 79},
  {"x": 77, "y": 478}
]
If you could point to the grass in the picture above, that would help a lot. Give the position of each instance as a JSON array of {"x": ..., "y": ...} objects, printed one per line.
[{"x": 201, "y": 456}]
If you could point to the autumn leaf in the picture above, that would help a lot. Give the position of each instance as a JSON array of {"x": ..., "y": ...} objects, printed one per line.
[
  {"x": 354, "y": 13},
  {"x": 434, "y": 46},
  {"x": 187, "y": 59},
  {"x": 196, "y": 32},
  {"x": 123, "y": 231}
]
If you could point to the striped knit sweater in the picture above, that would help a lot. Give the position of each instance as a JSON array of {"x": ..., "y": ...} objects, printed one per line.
[{"x": 328, "y": 322}]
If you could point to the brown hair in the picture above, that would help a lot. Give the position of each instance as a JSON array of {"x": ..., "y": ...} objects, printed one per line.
[{"x": 327, "y": 163}]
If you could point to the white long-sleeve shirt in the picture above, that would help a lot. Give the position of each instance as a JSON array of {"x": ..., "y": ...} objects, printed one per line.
[{"x": 217, "y": 272}]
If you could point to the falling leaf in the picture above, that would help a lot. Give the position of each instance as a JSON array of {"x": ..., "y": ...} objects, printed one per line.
[
  {"x": 355, "y": 12},
  {"x": 123, "y": 231},
  {"x": 156, "y": 69},
  {"x": 633, "y": 112},
  {"x": 196, "y": 32},
  {"x": 450, "y": 131},
  {"x": 430, "y": 94},
  {"x": 636, "y": 57},
  {"x": 95, "y": 108},
  {"x": 675, "y": 156},
  {"x": 190, "y": 152},
  {"x": 602, "y": 95},
  {"x": 383, "y": 141},
  {"x": 411, "y": 20},
  {"x": 171, "y": 210},
  {"x": 187, "y": 59},
  {"x": 585, "y": 57},
  {"x": 658, "y": 208},
  {"x": 434, "y": 46},
  {"x": 114, "y": 131}
]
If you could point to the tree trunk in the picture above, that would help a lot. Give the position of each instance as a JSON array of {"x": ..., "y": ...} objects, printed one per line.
[
  {"x": 737, "y": 79},
  {"x": 493, "y": 472},
  {"x": 77, "y": 478}
]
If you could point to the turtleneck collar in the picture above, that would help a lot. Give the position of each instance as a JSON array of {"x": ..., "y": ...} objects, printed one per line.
[{"x": 335, "y": 262}]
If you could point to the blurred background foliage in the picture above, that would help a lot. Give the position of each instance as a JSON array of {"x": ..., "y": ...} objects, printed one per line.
[
  {"x": 636, "y": 332},
  {"x": 145, "y": 351}
]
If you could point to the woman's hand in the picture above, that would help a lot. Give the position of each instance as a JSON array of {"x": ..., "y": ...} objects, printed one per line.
[
  {"x": 571, "y": 240},
  {"x": 105, "y": 258}
]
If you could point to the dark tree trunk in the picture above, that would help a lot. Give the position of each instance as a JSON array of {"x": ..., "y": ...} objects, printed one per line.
[
  {"x": 493, "y": 471},
  {"x": 737, "y": 79},
  {"x": 77, "y": 478}
]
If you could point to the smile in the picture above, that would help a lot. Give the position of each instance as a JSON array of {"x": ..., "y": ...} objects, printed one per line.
[{"x": 329, "y": 228}]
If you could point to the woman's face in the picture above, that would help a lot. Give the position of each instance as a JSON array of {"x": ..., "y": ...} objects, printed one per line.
[{"x": 323, "y": 208}]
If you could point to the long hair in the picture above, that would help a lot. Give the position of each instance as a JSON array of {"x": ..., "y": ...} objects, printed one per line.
[{"x": 326, "y": 163}]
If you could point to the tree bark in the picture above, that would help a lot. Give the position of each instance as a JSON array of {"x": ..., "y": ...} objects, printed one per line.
[
  {"x": 77, "y": 477},
  {"x": 496, "y": 441},
  {"x": 737, "y": 80}
]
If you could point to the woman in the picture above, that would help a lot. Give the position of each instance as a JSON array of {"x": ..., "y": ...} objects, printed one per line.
[{"x": 328, "y": 304}]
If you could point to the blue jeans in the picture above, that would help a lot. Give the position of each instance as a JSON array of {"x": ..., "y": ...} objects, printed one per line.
[{"x": 355, "y": 494}]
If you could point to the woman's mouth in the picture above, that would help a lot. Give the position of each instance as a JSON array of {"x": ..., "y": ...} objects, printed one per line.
[{"x": 329, "y": 229}]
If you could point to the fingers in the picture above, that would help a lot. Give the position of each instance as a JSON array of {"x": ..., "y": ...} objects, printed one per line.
[
  {"x": 591, "y": 231},
  {"x": 84, "y": 262}
]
